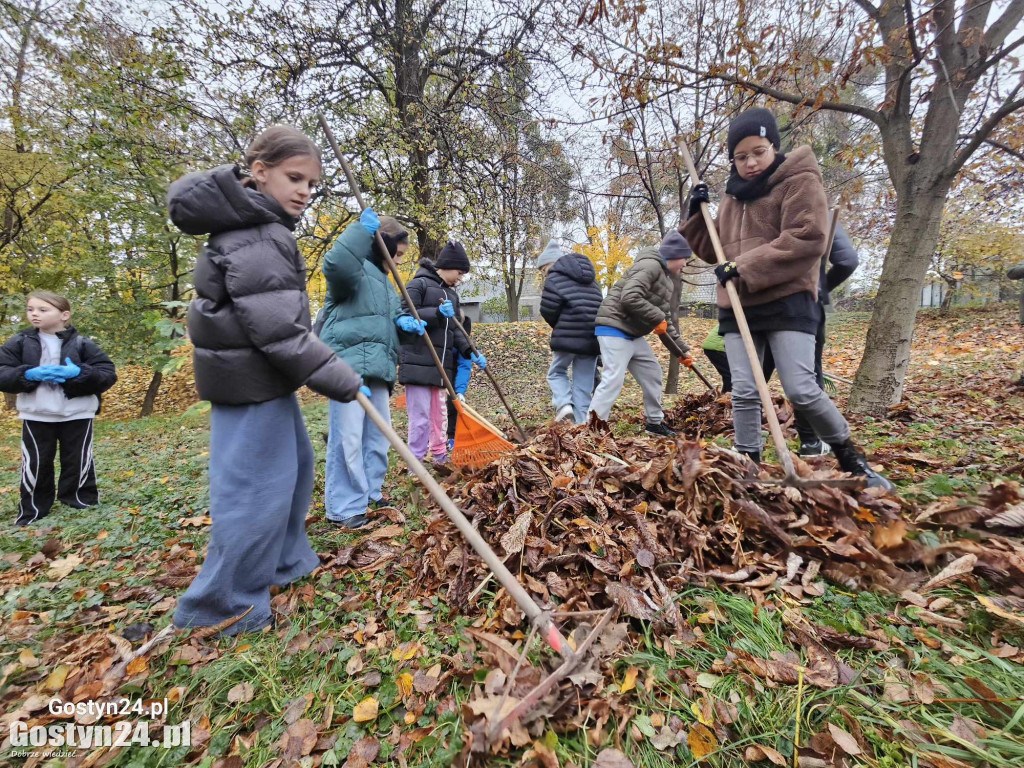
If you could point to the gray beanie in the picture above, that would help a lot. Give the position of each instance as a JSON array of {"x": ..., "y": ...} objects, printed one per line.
[
  {"x": 674, "y": 246},
  {"x": 551, "y": 254}
]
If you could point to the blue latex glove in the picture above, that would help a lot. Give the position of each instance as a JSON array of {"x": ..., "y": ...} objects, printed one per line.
[
  {"x": 67, "y": 371},
  {"x": 479, "y": 360},
  {"x": 369, "y": 220},
  {"x": 40, "y": 373},
  {"x": 366, "y": 390},
  {"x": 410, "y": 324},
  {"x": 447, "y": 308}
]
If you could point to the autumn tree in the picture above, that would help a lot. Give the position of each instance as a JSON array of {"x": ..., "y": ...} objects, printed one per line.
[
  {"x": 397, "y": 79},
  {"x": 979, "y": 241},
  {"x": 938, "y": 82},
  {"x": 610, "y": 251}
]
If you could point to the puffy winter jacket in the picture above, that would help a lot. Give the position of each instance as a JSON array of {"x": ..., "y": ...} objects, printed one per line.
[
  {"x": 569, "y": 304},
  {"x": 777, "y": 240},
  {"x": 641, "y": 298},
  {"x": 427, "y": 291},
  {"x": 361, "y": 307},
  {"x": 24, "y": 350},
  {"x": 250, "y": 319}
]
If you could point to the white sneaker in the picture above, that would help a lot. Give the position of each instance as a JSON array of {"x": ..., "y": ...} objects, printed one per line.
[{"x": 565, "y": 412}]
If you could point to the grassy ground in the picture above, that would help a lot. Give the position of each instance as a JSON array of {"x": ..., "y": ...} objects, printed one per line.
[{"x": 354, "y": 669}]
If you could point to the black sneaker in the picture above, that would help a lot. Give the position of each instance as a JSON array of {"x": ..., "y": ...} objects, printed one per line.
[
  {"x": 814, "y": 448},
  {"x": 754, "y": 456},
  {"x": 659, "y": 429},
  {"x": 851, "y": 460}
]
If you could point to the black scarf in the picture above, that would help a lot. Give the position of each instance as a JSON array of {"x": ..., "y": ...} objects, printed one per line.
[{"x": 751, "y": 189}]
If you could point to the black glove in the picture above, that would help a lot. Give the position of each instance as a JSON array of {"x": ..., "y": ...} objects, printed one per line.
[
  {"x": 726, "y": 272},
  {"x": 698, "y": 195}
]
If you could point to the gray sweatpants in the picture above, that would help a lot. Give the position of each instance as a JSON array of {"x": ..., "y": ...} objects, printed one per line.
[
  {"x": 261, "y": 484},
  {"x": 636, "y": 357},
  {"x": 794, "y": 359}
]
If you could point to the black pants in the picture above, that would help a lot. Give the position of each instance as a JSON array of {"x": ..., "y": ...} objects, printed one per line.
[
  {"x": 452, "y": 415},
  {"x": 805, "y": 430},
  {"x": 77, "y": 486}
]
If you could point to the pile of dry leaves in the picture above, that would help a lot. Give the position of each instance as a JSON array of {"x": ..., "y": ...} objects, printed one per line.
[{"x": 590, "y": 520}]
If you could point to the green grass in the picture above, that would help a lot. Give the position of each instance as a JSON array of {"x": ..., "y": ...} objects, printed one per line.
[{"x": 153, "y": 475}]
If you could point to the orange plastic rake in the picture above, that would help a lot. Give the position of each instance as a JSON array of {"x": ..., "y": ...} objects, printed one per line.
[{"x": 485, "y": 441}]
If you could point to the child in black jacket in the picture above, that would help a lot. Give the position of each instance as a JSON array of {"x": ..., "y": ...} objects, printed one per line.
[{"x": 58, "y": 376}]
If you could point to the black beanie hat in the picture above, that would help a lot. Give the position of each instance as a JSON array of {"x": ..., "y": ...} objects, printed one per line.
[
  {"x": 453, "y": 256},
  {"x": 754, "y": 122}
]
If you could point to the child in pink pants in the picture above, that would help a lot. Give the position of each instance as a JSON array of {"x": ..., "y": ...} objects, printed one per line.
[
  {"x": 428, "y": 421},
  {"x": 433, "y": 293}
]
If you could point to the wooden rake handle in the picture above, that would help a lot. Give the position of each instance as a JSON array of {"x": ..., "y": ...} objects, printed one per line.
[
  {"x": 354, "y": 186},
  {"x": 741, "y": 320},
  {"x": 670, "y": 345},
  {"x": 494, "y": 382},
  {"x": 542, "y": 620}
]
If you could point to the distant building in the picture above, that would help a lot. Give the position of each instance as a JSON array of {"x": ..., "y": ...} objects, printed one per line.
[
  {"x": 479, "y": 290},
  {"x": 699, "y": 293}
]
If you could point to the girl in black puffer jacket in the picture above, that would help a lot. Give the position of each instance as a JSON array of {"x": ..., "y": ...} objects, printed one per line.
[
  {"x": 253, "y": 348},
  {"x": 569, "y": 304}
]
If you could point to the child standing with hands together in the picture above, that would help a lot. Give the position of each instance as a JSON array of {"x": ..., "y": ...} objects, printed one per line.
[
  {"x": 56, "y": 403},
  {"x": 250, "y": 326}
]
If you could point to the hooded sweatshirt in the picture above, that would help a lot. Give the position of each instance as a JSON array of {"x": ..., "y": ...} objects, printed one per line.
[
  {"x": 250, "y": 319},
  {"x": 569, "y": 304},
  {"x": 777, "y": 241}
]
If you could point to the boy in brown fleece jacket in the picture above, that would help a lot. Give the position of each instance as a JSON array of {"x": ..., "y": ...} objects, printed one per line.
[{"x": 772, "y": 222}]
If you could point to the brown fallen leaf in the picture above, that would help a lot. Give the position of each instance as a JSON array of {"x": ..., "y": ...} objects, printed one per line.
[
  {"x": 297, "y": 707},
  {"x": 363, "y": 753},
  {"x": 844, "y": 740},
  {"x": 241, "y": 693},
  {"x": 299, "y": 740},
  {"x": 757, "y": 752},
  {"x": 63, "y": 566},
  {"x": 959, "y": 568},
  {"x": 889, "y": 535},
  {"x": 612, "y": 758}
]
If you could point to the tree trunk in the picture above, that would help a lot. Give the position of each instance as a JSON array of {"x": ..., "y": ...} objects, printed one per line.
[
  {"x": 672, "y": 382},
  {"x": 947, "y": 300},
  {"x": 513, "y": 304},
  {"x": 150, "y": 400},
  {"x": 879, "y": 381}
]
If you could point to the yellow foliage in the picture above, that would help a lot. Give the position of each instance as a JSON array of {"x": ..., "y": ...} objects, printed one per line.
[{"x": 609, "y": 253}]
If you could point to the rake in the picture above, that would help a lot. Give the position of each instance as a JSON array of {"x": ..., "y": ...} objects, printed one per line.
[
  {"x": 674, "y": 350},
  {"x": 482, "y": 440},
  {"x": 494, "y": 383},
  {"x": 781, "y": 449}
]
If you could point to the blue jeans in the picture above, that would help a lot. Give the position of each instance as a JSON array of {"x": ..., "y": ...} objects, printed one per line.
[
  {"x": 261, "y": 484},
  {"x": 580, "y": 390},
  {"x": 357, "y": 456}
]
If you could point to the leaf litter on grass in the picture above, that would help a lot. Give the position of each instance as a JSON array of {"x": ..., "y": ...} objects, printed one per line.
[
  {"x": 728, "y": 663},
  {"x": 591, "y": 521}
]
